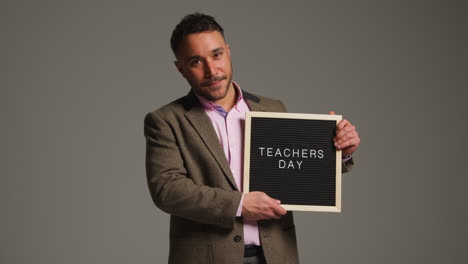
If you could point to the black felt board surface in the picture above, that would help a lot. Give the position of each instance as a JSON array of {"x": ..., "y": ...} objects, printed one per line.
[{"x": 313, "y": 181}]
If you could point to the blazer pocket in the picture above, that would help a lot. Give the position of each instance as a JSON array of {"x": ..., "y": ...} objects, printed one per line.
[{"x": 184, "y": 252}]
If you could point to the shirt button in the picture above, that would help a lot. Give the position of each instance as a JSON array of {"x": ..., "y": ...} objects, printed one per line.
[{"x": 237, "y": 238}]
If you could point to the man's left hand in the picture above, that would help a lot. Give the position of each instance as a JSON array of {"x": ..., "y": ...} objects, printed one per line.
[{"x": 347, "y": 138}]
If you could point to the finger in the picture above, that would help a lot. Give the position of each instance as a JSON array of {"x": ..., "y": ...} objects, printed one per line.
[
  {"x": 331, "y": 113},
  {"x": 271, "y": 201},
  {"x": 340, "y": 143},
  {"x": 346, "y": 144},
  {"x": 266, "y": 199},
  {"x": 342, "y": 124},
  {"x": 352, "y": 142},
  {"x": 279, "y": 210},
  {"x": 346, "y": 136},
  {"x": 348, "y": 129}
]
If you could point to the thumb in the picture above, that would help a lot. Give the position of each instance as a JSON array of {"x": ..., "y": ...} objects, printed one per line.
[{"x": 332, "y": 113}]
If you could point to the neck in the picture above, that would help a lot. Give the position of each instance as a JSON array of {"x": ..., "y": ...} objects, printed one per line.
[{"x": 229, "y": 100}]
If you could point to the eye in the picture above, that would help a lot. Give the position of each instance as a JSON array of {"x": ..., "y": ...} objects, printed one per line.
[
  {"x": 195, "y": 62},
  {"x": 217, "y": 54}
]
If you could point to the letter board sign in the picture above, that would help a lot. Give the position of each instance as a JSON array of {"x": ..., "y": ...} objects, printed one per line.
[{"x": 292, "y": 158}]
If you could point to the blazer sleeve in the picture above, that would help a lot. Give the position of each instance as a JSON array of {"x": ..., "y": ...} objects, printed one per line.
[
  {"x": 172, "y": 191},
  {"x": 347, "y": 166}
]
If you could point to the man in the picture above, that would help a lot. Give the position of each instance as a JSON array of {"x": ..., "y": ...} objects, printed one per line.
[{"x": 194, "y": 160}]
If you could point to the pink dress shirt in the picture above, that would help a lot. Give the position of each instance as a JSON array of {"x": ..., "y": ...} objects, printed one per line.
[{"x": 229, "y": 127}]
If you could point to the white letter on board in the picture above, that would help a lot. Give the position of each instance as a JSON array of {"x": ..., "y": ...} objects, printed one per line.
[
  {"x": 282, "y": 164},
  {"x": 295, "y": 153},
  {"x": 320, "y": 153},
  {"x": 270, "y": 152},
  {"x": 278, "y": 152},
  {"x": 312, "y": 153},
  {"x": 261, "y": 150},
  {"x": 299, "y": 163}
]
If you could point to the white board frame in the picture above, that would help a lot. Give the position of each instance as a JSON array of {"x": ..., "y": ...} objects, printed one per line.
[{"x": 293, "y": 207}]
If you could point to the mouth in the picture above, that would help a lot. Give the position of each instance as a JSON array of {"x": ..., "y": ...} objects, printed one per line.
[{"x": 214, "y": 82}]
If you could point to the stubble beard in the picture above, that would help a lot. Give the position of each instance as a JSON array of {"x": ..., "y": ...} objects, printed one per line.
[{"x": 209, "y": 95}]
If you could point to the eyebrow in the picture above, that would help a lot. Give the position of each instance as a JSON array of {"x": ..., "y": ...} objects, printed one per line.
[
  {"x": 217, "y": 50},
  {"x": 200, "y": 57},
  {"x": 194, "y": 57}
]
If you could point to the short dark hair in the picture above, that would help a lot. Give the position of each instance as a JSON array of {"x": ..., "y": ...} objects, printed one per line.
[{"x": 193, "y": 23}]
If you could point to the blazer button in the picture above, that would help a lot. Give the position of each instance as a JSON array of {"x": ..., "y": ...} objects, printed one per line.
[{"x": 237, "y": 238}]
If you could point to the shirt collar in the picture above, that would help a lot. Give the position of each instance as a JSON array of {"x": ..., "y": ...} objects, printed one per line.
[{"x": 212, "y": 106}]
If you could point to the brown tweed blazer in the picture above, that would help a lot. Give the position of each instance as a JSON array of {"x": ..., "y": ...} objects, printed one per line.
[{"x": 189, "y": 177}]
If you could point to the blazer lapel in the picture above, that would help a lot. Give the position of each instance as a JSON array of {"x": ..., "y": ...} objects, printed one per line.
[
  {"x": 253, "y": 102},
  {"x": 202, "y": 124}
]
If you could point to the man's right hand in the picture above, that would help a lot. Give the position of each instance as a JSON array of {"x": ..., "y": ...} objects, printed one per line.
[{"x": 258, "y": 206}]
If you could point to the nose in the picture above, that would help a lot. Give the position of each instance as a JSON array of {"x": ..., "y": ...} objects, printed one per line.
[{"x": 210, "y": 69}]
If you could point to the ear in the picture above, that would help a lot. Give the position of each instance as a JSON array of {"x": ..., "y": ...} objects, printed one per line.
[
  {"x": 228, "y": 50},
  {"x": 179, "y": 67}
]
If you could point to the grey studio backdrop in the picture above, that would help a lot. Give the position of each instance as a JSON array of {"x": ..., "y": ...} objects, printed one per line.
[{"x": 79, "y": 76}]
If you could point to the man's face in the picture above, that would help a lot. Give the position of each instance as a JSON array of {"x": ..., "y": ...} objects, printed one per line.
[{"x": 204, "y": 60}]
